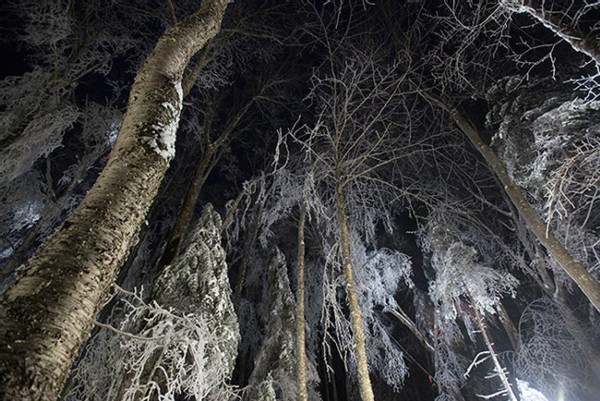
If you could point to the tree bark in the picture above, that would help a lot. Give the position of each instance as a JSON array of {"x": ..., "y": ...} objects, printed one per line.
[
  {"x": 360, "y": 352},
  {"x": 509, "y": 326},
  {"x": 500, "y": 371},
  {"x": 301, "y": 376},
  {"x": 48, "y": 311},
  {"x": 409, "y": 324},
  {"x": 584, "y": 280},
  {"x": 203, "y": 169}
]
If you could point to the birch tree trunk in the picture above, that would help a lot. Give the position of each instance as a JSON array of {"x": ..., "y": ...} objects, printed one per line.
[
  {"x": 301, "y": 375},
  {"x": 360, "y": 351},
  {"x": 47, "y": 312}
]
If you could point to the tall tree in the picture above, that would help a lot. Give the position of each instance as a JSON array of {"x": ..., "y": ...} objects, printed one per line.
[
  {"x": 276, "y": 358},
  {"x": 354, "y": 138},
  {"x": 448, "y": 93},
  {"x": 49, "y": 309},
  {"x": 301, "y": 367},
  {"x": 460, "y": 276}
]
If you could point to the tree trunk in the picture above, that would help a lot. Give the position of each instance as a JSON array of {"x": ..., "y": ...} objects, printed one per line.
[
  {"x": 248, "y": 244},
  {"x": 500, "y": 371},
  {"x": 186, "y": 213},
  {"x": 301, "y": 376},
  {"x": 48, "y": 311},
  {"x": 360, "y": 352},
  {"x": 203, "y": 169},
  {"x": 571, "y": 266},
  {"x": 509, "y": 326},
  {"x": 409, "y": 324}
]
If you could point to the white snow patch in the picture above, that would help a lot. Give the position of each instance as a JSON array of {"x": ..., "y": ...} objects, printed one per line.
[
  {"x": 179, "y": 90},
  {"x": 164, "y": 135},
  {"x": 169, "y": 107},
  {"x": 114, "y": 131}
]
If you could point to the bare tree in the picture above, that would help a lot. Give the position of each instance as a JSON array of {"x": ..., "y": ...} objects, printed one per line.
[
  {"x": 49, "y": 308},
  {"x": 358, "y": 99}
]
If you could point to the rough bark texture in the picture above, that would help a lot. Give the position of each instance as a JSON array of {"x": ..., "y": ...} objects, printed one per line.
[
  {"x": 301, "y": 372},
  {"x": 572, "y": 266},
  {"x": 48, "y": 311},
  {"x": 360, "y": 352}
]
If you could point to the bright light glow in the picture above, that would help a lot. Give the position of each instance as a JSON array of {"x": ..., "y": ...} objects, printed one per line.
[{"x": 531, "y": 394}]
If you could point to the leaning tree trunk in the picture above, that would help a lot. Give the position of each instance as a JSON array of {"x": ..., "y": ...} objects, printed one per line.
[
  {"x": 364, "y": 381},
  {"x": 47, "y": 312},
  {"x": 575, "y": 270}
]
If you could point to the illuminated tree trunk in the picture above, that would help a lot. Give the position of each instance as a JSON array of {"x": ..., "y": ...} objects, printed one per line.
[
  {"x": 301, "y": 376},
  {"x": 500, "y": 372},
  {"x": 47, "y": 312},
  {"x": 360, "y": 352}
]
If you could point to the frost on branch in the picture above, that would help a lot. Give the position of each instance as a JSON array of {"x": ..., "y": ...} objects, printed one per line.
[
  {"x": 197, "y": 283},
  {"x": 266, "y": 391},
  {"x": 528, "y": 393},
  {"x": 182, "y": 342},
  {"x": 32, "y": 123},
  {"x": 540, "y": 129},
  {"x": 460, "y": 275},
  {"x": 551, "y": 146},
  {"x": 380, "y": 274},
  {"x": 463, "y": 288}
]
